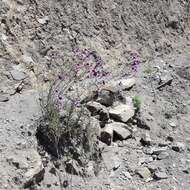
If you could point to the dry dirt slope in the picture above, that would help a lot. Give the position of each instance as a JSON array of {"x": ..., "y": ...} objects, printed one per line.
[{"x": 159, "y": 31}]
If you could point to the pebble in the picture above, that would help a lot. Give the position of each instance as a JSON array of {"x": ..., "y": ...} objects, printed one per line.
[
  {"x": 178, "y": 147},
  {"x": 163, "y": 155},
  {"x": 160, "y": 175}
]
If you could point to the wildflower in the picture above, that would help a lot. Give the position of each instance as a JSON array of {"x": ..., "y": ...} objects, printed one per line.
[{"x": 77, "y": 103}]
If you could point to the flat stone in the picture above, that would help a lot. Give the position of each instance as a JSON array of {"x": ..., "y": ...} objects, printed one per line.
[
  {"x": 18, "y": 75},
  {"x": 122, "y": 113},
  {"x": 4, "y": 98},
  {"x": 120, "y": 131},
  {"x": 144, "y": 173},
  {"x": 163, "y": 155},
  {"x": 98, "y": 109},
  {"x": 160, "y": 175},
  {"x": 123, "y": 84},
  {"x": 157, "y": 151}
]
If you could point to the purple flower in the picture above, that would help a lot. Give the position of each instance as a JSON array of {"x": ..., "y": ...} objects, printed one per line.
[{"x": 77, "y": 103}]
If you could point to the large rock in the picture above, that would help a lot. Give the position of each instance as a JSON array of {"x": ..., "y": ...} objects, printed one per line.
[
  {"x": 122, "y": 112},
  {"x": 107, "y": 135},
  {"x": 105, "y": 97},
  {"x": 123, "y": 84},
  {"x": 144, "y": 173},
  {"x": 114, "y": 131},
  {"x": 121, "y": 132},
  {"x": 97, "y": 109}
]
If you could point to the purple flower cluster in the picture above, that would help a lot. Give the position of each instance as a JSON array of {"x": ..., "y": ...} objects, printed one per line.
[
  {"x": 93, "y": 69},
  {"x": 89, "y": 66},
  {"x": 135, "y": 61},
  {"x": 58, "y": 99}
]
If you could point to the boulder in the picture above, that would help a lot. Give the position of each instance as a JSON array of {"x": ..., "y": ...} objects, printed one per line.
[
  {"x": 114, "y": 131},
  {"x": 123, "y": 84},
  {"x": 121, "y": 132},
  {"x": 97, "y": 109},
  {"x": 105, "y": 97},
  {"x": 122, "y": 113}
]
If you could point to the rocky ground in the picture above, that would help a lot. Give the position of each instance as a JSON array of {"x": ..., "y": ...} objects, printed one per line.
[{"x": 148, "y": 151}]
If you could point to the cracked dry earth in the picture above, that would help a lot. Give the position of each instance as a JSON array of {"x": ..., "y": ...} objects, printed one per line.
[{"x": 156, "y": 153}]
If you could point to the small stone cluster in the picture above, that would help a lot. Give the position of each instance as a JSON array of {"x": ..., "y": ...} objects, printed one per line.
[{"x": 113, "y": 111}]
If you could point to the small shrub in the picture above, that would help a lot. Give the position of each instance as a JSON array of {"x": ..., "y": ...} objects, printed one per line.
[
  {"x": 67, "y": 128},
  {"x": 137, "y": 102}
]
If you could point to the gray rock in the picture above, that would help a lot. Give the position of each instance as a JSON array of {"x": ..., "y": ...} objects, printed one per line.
[
  {"x": 157, "y": 151},
  {"x": 122, "y": 113},
  {"x": 105, "y": 97},
  {"x": 165, "y": 80},
  {"x": 160, "y": 175},
  {"x": 178, "y": 147},
  {"x": 152, "y": 167},
  {"x": 107, "y": 135},
  {"x": 163, "y": 155},
  {"x": 146, "y": 140},
  {"x": 4, "y": 98},
  {"x": 144, "y": 173},
  {"x": 18, "y": 75},
  {"x": 116, "y": 131},
  {"x": 144, "y": 121},
  {"x": 98, "y": 109},
  {"x": 123, "y": 84},
  {"x": 121, "y": 132}
]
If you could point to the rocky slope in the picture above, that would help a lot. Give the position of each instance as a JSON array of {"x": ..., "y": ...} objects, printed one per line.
[{"x": 37, "y": 38}]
